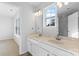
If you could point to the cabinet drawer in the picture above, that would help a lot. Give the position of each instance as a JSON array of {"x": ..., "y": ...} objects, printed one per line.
[{"x": 60, "y": 52}]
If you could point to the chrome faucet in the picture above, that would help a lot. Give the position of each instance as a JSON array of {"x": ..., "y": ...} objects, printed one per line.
[
  {"x": 40, "y": 35},
  {"x": 58, "y": 38}
]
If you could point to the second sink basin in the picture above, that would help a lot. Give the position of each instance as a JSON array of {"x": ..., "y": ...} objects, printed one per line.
[{"x": 56, "y": 41}]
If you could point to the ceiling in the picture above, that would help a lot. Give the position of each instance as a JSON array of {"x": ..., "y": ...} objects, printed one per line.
[
  {"x": 7, "y": 10},
  {"x": 65, "y": 10},
  {"x": 10, "y": 8},
  {"x": 36, "y": 5},
  {"x": 68, "y": 9},
  {"x": 39, "y": 5},
  {"x": 32, "y": 4}
]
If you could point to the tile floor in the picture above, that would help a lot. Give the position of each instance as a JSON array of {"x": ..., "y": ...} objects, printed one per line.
[{"x": 8, "y": 47}]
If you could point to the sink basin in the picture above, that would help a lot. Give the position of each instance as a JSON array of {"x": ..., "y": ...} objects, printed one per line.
[
  {"x": 36, "y": 36},
  {"x": 39, "y": 35},
  {"x": 56, "y": 41}
]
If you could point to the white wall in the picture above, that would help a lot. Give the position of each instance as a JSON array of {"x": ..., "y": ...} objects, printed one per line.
[
  {"x": 6, "y": 28},
  {"x": 6, "y": 21},
  {"x": 73, "y": 25},
  {"x": 27, "y": 22}
]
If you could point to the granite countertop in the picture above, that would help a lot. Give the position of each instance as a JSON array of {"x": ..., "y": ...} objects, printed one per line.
[{"x": 69, "y": 44}]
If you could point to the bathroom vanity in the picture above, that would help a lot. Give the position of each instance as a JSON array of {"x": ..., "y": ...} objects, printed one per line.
[
  {"x": 49, "y": 46},
  {"x": 52, "y": 26}
]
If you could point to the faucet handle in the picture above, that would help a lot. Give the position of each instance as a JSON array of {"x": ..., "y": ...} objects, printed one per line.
[{"x": 58, "y": 38}]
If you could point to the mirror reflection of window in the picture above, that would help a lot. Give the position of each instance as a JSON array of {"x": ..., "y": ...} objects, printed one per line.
[{"x": 50, "y": 14}]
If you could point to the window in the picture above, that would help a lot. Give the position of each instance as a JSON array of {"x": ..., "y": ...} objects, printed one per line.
[{"x": 50, "y": 16}]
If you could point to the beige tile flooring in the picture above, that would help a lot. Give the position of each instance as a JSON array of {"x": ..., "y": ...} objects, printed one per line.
[{"x": 8, "y": 47}]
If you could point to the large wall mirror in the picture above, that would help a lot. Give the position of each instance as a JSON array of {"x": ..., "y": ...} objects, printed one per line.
[{"x": 68, "y": 20}]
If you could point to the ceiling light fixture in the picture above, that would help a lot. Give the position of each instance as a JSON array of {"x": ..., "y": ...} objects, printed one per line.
[
  {"x": 59, "y": 4},
  {"x": 66, "y": 3},
  {"x": 38, "y": 13}
]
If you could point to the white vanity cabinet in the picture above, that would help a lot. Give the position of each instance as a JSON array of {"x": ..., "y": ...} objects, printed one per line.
[
  {"x": 37, "y": 51},
  {"x": 37, "y": 48},
  {"x": 29, "y": 43},
  {"x": 32, "y": 47}
]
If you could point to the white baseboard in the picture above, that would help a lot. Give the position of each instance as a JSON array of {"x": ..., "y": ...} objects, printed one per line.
[{"x": 5, "y": 38}]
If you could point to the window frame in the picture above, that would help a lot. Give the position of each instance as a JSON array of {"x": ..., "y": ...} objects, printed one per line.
[{"x": 51, "y": 17}]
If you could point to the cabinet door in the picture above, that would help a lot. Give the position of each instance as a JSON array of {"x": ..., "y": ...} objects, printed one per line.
[
  {"x": 35, "y": 49},
  {"x": 43, "y": 52},
  {"x": 29, "y": 45},
  {"x": 38, "y": 51},
  {"x": 50, "y": 54}
]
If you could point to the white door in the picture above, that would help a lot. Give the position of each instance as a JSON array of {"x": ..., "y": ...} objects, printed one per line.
[
  {"x": 73, "y": 25},
  {"x": 43, "y": 52}
]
